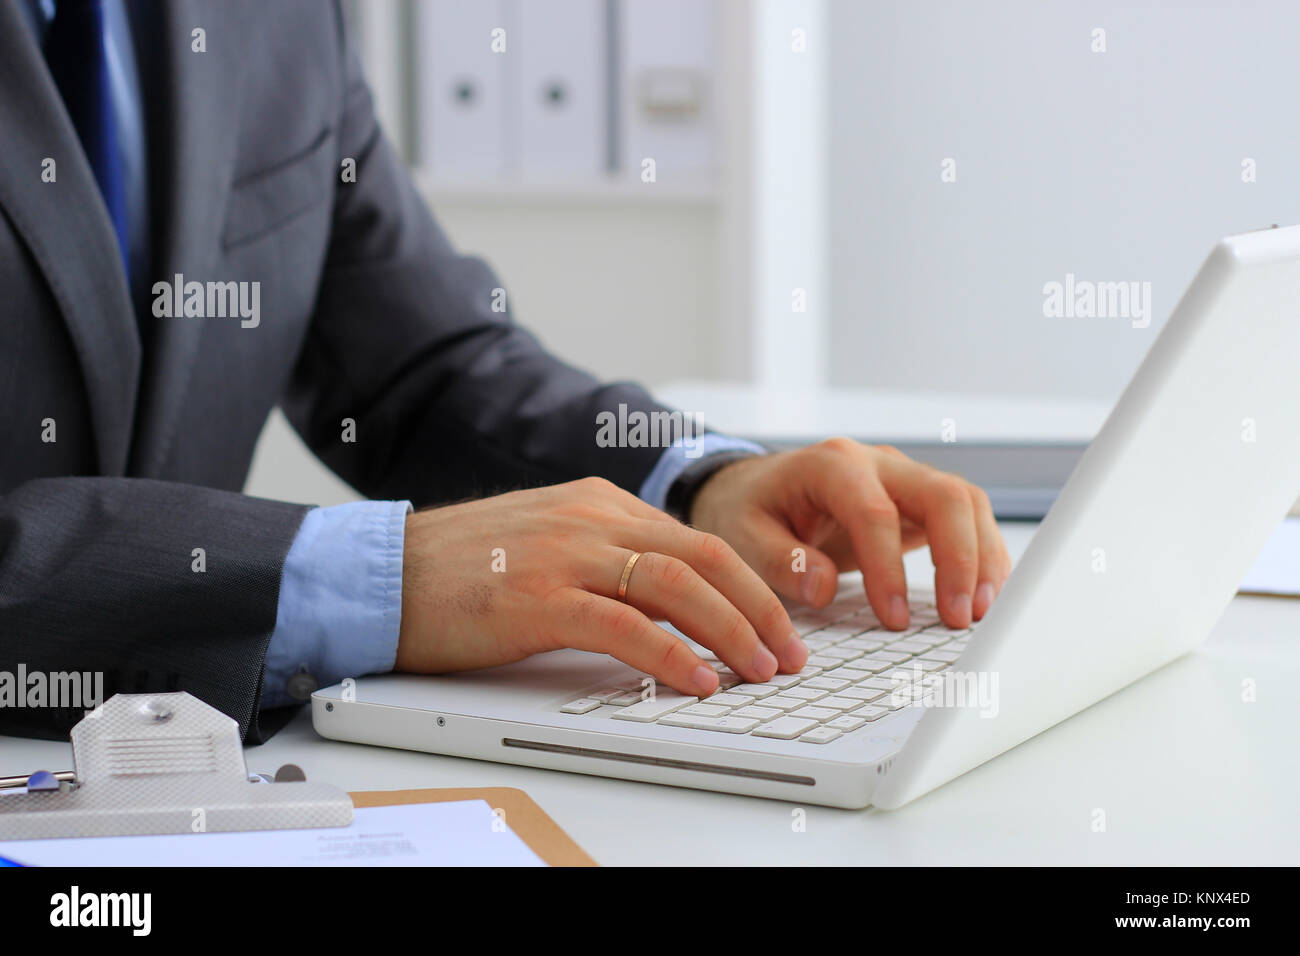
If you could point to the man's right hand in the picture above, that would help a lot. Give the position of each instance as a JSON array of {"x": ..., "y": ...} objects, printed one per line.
[{"x": 563, "y": 550}]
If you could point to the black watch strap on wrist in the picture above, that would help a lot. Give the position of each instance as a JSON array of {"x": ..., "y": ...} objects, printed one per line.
[{"x": 681, "y": 493}]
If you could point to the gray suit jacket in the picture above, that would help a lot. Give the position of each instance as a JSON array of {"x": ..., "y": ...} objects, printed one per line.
[{"x": 366, "y": 313}]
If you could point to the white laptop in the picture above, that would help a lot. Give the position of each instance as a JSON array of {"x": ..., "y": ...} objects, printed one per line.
[{"x": 1139, "y": 556}]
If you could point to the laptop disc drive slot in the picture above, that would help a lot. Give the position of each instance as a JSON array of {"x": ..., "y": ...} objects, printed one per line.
[{"x": 658, "y": 761}]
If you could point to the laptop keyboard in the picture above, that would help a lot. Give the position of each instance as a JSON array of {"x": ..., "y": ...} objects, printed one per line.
[{"x": 857, "y": 672}]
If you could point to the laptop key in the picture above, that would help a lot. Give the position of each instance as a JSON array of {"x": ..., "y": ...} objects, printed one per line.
[
  {"x": 782, "y": 702},
  {"x": 839, "y": 703},
  {"x": 805, "y": 693},
  {"x": 839, "y": 632},
  {"x": 785, "y": 728},
  {"x": 820, "y": 735},
  {"x": 862, "y": 644},
  {"x": 817, "y": 660},
  {"x": 873, "y": 664},
  {"x": 783, "y": 680},
  {"x": 583, "y": 705},
  {"x": 756, "y": 712},
  {"x": 726, "y": 725},
  {"x": 861, "y": 694},
  {"x": 705, "y": 710},
  {"x": 650, "y": 710},
  {"x": 755, "y": 690},
  {"x": 729, "y": 700},
  {"x": 910, "y": 647},
  {"x": 827, "y": 683},
  {"x": 948, "y": 631},
  {"x": 870, "y": 712},
  {"x": 816, "y": 713},
  {"x": 928, "y": 639},
  {"x": 878, "y": 683},
  {"x": 908, "y": 673},
  {"x": 844, "y": 673},
  {"x": 846, "y": 723}
]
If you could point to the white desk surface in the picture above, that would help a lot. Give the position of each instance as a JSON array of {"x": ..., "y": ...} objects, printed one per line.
[{"x": 1185, "y": 771}]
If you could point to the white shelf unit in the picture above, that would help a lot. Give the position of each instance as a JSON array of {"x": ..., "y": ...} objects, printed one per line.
[{"x": 762, "y": 206}]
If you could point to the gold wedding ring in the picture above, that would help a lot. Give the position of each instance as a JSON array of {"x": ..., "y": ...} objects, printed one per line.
[{"x": 627, "y": 573}]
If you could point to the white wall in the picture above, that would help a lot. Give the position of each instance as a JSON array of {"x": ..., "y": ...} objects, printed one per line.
[
  {"x": 624, "y": 288},
  {"x": 1114, "y": 166}
]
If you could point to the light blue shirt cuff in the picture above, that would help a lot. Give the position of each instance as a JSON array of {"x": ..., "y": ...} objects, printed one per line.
[
  {"x": 675, "y": 459},
  {"x": 340, "y": 607}
]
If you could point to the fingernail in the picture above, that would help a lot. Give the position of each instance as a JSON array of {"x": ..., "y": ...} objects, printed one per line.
[
  {"x": 764, "y": 663},
  {"x": 705, "y": 679},
  {"x": 796, "y": 652},
  {"x": 812, "y": 579},
  {"x": 898, "y": 613},
  {"x": 984, "y": 595},
  {"x": 959, "y": 607}
]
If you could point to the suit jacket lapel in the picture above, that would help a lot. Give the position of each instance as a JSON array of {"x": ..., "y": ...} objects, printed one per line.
[
  {"x": 192, "y": 109},
  {"x": 67, "y": 228}
]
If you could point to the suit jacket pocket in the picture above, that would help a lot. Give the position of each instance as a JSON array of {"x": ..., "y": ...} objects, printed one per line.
[{"x": 270, "y": 198}]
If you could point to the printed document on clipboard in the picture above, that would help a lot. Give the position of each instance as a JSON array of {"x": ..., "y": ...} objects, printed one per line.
[{"x": 459, "y": 833}]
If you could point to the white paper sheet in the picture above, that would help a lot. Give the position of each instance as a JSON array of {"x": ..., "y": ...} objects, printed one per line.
[
  {"x": 463, "y": 833},
  {"x": 1277, "y": 569}
]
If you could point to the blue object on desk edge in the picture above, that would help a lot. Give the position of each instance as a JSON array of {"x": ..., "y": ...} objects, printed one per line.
[{"x": 5, "y": 862}]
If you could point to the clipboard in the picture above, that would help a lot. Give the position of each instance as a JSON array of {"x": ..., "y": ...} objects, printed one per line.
[
  {"x": 162, "y": 764},
  {"x": 154, "y": 764},
  {"x": 529, "y": 821}
]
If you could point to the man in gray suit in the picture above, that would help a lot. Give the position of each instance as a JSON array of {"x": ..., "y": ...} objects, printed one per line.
[{"x": 200, "y": 219}]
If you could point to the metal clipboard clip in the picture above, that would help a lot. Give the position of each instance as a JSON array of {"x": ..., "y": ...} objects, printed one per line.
[{"x": 163, "y": 764}]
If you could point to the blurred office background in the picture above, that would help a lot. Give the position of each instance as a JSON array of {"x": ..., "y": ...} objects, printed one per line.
[{"x": 847, "y": 195}]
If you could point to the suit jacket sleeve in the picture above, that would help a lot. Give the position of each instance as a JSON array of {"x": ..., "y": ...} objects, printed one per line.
[
  {"x": 449, "y": 397},
  {"x": 103, "y": 576}
]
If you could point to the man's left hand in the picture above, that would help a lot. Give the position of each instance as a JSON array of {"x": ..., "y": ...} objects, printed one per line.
[{"x": 852, "y": 506}]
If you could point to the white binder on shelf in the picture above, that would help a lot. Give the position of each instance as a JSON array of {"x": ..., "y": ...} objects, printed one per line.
[
  {"x": 462, "y": 87},
  {"x": 667, "y": 53},
  {"x": 561, "y": 88}
]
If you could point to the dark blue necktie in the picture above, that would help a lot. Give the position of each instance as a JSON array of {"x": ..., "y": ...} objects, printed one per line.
[{"x": 76, "y": 48}]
